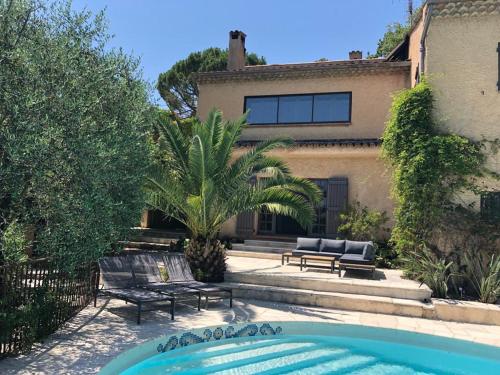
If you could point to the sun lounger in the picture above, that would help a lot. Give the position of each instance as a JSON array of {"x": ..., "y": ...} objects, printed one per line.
[
  {"x": 180, "y": 273},
  {"x": 118, "y": 282},
  {"x": 147, "y": 276}
]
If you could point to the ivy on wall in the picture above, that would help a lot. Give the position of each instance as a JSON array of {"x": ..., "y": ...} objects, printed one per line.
[{"x": 429, "y": 168}]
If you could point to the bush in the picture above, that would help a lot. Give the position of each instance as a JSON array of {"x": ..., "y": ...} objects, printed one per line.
[
  {"x": 361, "y": 224},
  {"x": 13, "y": 244},
  {"x": 73, "y": 118}
]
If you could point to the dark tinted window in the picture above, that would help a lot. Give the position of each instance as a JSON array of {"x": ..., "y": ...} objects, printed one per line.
[
  {"x": 263, "y": 110},
  {"x": 296, "y": 108},
  {"x": 299, "y": 109},
  {"x": 332, "y": 107}
]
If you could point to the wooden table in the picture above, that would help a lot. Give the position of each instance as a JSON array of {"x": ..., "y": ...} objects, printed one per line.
[
  {"x": 288, "y": 255},
  {"x": 317, "y": 258}
]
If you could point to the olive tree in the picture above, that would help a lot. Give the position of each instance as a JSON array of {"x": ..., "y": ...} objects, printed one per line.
[{"x": 73, "y": 119}]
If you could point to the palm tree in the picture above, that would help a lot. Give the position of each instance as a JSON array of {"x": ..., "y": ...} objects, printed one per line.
[{"x": 205, "y": 185}]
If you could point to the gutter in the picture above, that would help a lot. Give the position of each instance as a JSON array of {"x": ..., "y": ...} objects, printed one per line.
[{"x": 427, "y": 21}]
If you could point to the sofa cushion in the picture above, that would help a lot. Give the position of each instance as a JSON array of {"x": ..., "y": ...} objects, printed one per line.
[
  {"x": 357, "y": 247},
  {"x": 355, "y": 259},
  {"x": 309, "y": 244},
  {"x": 332, "y": 246}
]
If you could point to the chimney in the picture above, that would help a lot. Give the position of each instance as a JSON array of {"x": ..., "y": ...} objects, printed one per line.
[
  {"x": 355, "y": 55},
  {"x": 236, "y": 54}
]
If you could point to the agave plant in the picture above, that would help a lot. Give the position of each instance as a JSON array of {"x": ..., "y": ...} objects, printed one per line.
[
  {"x": 426, "y": 267},
  {"x": 484, "y": 276},
  {"x": 207, "y": 183}
]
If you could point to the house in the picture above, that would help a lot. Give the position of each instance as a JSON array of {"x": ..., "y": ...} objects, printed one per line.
[{"x": 336, "y": 110}]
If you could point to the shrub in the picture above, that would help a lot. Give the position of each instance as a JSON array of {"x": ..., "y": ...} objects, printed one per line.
[
  {"x": 360, "y": 223},
  {"x": 13, "y": 244}
]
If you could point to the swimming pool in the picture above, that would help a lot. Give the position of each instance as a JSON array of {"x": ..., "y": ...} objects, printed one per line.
[{"x": 305, "y": 348}]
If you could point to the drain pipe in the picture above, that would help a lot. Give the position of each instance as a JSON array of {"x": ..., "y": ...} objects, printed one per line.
[{"x": 427, "y": 20}]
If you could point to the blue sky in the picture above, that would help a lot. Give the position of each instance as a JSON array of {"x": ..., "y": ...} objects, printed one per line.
[{"x": 161, "y": 32}]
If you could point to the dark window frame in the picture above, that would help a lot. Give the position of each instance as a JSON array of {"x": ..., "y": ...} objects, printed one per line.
[
  {"x": 313, "y": 94},
  {"x": 487, "y": 200}
]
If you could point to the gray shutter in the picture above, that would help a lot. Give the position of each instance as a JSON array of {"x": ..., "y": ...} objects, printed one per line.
[
  {"x": 245, "y": 220},
  {"x": 336, "y": 202}
]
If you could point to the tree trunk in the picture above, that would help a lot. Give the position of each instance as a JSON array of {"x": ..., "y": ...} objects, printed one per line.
[{"x": 207, "y": 259}]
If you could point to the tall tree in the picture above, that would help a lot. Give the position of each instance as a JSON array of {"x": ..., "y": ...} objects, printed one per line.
[
  {"x": 73, "y": 115},
  {"x": 203, "y": 188},
  {"x": 177, "y": 86},
  {"x": 395, "y": 34}
]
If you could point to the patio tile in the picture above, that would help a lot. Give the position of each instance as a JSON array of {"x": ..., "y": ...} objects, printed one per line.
[{"x": 96, "y": 335}]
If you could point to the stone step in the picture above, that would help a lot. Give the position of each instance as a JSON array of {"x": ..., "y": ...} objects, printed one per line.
[
  {"x": 145, "y": 245},
  {"x": 275, "y": 244},
  {"x": 252, "y": 254},
  {"x": 342, "y": 301},
  {"x": 259, "y": 249},
  {"x": 149, "y": 232},
  {"x": 332, "y": 284},
  {"x": 160, "y": 240}
]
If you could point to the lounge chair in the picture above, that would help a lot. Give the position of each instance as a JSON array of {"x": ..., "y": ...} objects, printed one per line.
[
  {"x": 180, "y": 273},
  {"x": 118, "y": 282},
  {"x": 147, "y": 276}
]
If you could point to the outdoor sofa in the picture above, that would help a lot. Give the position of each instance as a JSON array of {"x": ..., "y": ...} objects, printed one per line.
[{"x": 350, "y": 254}]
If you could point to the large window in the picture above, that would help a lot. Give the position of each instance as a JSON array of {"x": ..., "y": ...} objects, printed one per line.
[
  {"x": 490, "y": 206},
  {"x": 299, "y": 109}
]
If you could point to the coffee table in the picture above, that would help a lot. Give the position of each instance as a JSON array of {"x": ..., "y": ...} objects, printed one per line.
[
  {"x": 317, "y": 258},
  {"x": 288, "y": 255}
]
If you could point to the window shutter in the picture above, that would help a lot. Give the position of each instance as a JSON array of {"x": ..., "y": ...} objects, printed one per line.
[
  {"x": 245, "y": 220},
  {"x": 336, "y": 198}
]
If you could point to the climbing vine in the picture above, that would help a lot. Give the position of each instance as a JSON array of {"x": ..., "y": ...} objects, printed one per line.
[{"x": 430, "y": 168}]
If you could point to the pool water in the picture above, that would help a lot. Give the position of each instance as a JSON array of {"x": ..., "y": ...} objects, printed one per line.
[
  {"x": 312, "y": 354},
  {"x": 305, "y": 348}
]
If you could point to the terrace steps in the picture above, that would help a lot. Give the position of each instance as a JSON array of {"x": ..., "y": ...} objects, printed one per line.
[
  {"x": 263, "y": 246},
  {"x": 336, "y": 300},
  {"x": 332, "y": 284},
  {"x": 151, "y": 239}
]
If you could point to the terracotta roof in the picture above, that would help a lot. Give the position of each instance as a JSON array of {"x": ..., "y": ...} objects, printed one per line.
[
  {"x": 324, "y": 142},
  {"x": 312, "y": 69},
  {"x": 464, "y": 8}
]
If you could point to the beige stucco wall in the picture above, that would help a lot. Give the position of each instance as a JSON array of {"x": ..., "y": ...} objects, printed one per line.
[
  {"x": 462, "y": 66},
  {"x": 371, "y": 100},
  {"x": 414, "y": 47},
  {"x": 368, "y": 178}
]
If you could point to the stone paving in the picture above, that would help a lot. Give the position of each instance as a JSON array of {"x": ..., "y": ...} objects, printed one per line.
[{"x": 96, "y": 335}]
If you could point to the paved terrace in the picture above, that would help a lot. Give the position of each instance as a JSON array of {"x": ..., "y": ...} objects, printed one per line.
[
  {"x": 272, "y": 267},
  {"x": 96, "y": 335}
]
